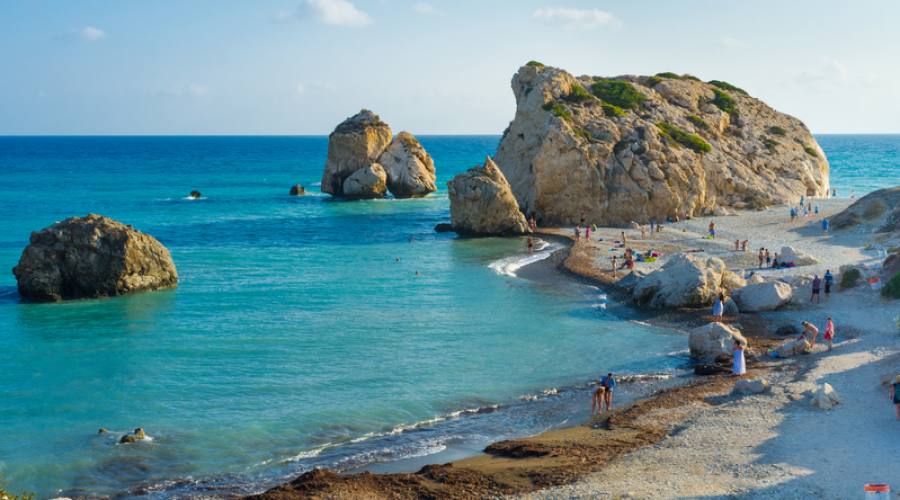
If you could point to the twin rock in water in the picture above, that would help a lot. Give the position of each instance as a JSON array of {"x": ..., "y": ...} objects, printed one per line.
[{"x": 606, "y": 150}]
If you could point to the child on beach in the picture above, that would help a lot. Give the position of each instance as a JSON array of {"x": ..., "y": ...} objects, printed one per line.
[
  {"x": 744, "y": 245},
  {"x": 609, "y": 383},
  {"x": 718, "y": 308},
  {"x": 825, "y": 225},
  {"x": 739, "y": 367},
  {"x": 577, "y": 232},
  {"x": 712, "y": 230},
  {"x": 895, "y": 394},
  {"x": 737, "y": 245},
  {"x": 829, "y": 332},
  {"x": 816, "y": 287}
]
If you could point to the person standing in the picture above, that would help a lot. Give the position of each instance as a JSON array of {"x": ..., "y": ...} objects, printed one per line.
[
  {"x": 718, "y": 308},
  {"x": 712, "y": 230},
  {"x": 768, "y": 257},
  {"x": 615, "y": 265},
  {"x": 762, "y": 257},
  {"x": 816, "y": 288},
  {"x": 624, "y": 239},
  {"x": 829, "y": 280},
  {"x": 825, "y": 225},
  {"x": 739, "y": 366},
  {"x": 587, "y": 232},
  {"x": 577, "y": 232},
  {"x": 829, "y": 332},
  {"x": 609, "y": 383},
  {"x": 895, "y": 394}
]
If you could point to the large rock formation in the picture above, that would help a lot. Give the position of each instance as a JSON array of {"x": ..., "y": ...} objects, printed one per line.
[
  {"x": 878, "y": 211},
  {"x": 366, "y": 183},
  {"x": 92, "y": 256},
  {"x": 637, "y": 148},
  {"x": 355, "y": 144},
  {"x": 482, "y": 203},
  {"x": 766, "y": 296},
  {"x": 362, "y": 140},
  {"x": 686, "y": 281},
  {"x": 410, "y": 169}
]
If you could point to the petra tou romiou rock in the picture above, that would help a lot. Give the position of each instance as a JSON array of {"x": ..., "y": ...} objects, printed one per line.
[
  {"x": 639, "y": 148},
  {"x": 92, "y": 256},
  {"x": 481, "y": 203},
  {"x": 363, "y": 140},
  {"x": 366, "y": 183},
  {"x": 686, "y": 281}
]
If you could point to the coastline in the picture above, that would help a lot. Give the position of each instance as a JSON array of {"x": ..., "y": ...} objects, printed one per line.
[{"x": 570, "y": 461}]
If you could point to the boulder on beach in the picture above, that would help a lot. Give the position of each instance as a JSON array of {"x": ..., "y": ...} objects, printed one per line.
[
  {"x": 481, "y": 203},
  {"x": 878, "y": 211},
  {"x": 297, "y": 190},
  {"x": 355, "y": 144},
  {"x": 750, "y": 386},
  {"x": 730, "y": 308},
  {"x": 766, "y": 296},
  {"x": 686, "y": 280},
  {"x": 92, "y": 256},
  {"x": 410, "y": 169},
  {"x": 825, "y": 397},
  {"x": 713, "y": 340},
  {"x": 793, "y": 348},
  {"x": 366, "y": 183},
  {"x": 790, "y": 254},
  {"x": 638, "y": 148}
]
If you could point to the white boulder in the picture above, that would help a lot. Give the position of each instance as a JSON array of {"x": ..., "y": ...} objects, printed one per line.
[
  {"x": 825, "y": 397},
  {"x": 793, "y": 347},
  {"x": 410, "y": 169},
  {"x": 790, "y": 254},
  {"x": 755, "y": 386},
  {"x": 766, "y": 296},
  {"x": 712, "y": 340},
  {"x": 686, "y": 281}
]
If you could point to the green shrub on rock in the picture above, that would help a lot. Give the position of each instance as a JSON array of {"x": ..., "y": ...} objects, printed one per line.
[
  {"x": 770, "y": 143},
  {"x": 851, "y": 278},
  {"x": 727, "y": 86},
  {"x": 892, "y": 289},
  {"x": 559, "y": 109},
  {"x": 724, "y": 101},
  {"x": 653, "y": 81},
  {"x": 534, "y": 64},
  {"x": 578, "y": 94},
  {"x": 811, "y": 151},
  {"x": 698, "y": 122},
  {"x": 686, "y": 139},
  {"x": 776, "y": 130},
  {"x": 619, "y": 93},
  {"x": 612, "y": 111},
  {"x": 669, "y": 74}
]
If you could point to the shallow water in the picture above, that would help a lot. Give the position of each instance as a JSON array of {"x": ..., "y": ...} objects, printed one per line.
[{"x": 299, "y": 335}]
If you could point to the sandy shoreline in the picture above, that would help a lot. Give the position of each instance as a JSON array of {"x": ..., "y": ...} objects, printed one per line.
[{"x": 698, "y": 439}]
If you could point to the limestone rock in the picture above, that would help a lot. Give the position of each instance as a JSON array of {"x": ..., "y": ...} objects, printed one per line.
[
  {"x": 789, "y": 254},
  {"x": 568, "y": 154},
  {"x": 138, "y": 435},
  {"x": 825, "y": 397},
  {"x": 792, "y": 348},
  {"x": 731, "y": 308},
  {"x": 878, "y": 211},
  {"x": 354, "y": 145},
  {"x": 712, "y": 340},
  {"x": 366, "y": 183},
  {"x": 755, "y": 386},
  {"x": 685, "y": 281},
  {"x": 482, "y": 203},
  {"x": 92, "y": 256},
  {"x": 410, "y": 169},
  {"x": 766, "y": 296},
  {"x": 297, "y": 190}
]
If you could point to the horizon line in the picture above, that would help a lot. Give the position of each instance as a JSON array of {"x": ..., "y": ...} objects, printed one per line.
[{"x": 327, "y": 134}]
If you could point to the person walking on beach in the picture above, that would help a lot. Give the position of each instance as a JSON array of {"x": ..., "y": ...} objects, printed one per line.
[
  {"x": 793, "y": 214},
  {"x": 829, "y": 332},
  {"x": 829, "y": 280},
  {"x": 737, "y": 245},
  {"x": 739, "y": 366},
  {"x": 744, "y": 245},
  {"x": 624, "y": 239},
  {"x": 609, "y": 383},
  {"x": 895, "y": 394},
  {"x": 816, "y": 288},
  {"x": 718, "y": 308}
]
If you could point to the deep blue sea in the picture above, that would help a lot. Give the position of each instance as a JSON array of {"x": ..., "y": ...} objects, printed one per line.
[{"x": 300, "y": 334}]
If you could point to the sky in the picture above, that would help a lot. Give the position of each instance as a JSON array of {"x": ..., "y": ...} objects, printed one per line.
[{"x": 429, "y": 67}]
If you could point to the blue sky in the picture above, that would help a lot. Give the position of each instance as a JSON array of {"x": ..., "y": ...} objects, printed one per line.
[{"x": 301, "y": 66}]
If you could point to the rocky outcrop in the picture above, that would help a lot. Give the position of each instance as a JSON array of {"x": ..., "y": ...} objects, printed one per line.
[
  {"x": 685, "y": 281},
  {"x": 713, "y": 340},
  {"x": 878, "y": 211},
  {"x": 355, "y": 144},
  {"x": 798, "y": 258},
  {"x": 366, "y": 183},
  {"x": 92, "y": 256},
  {"x": 766, "y": 296},
  {"x": 363, "y": 140},
  {"x": 137, "y": 435},
  {"x": 481, "y": 203},
  {"x": 636, "y": 148},
  {"x": 297, "y": 190},
  {"x": 410, "y": 169}
]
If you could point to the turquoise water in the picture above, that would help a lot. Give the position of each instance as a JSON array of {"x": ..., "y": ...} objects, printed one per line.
[{"x": 300, "y": 334}]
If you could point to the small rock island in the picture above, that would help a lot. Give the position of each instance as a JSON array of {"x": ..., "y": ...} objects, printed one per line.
[{"x": 92, "y": 256}]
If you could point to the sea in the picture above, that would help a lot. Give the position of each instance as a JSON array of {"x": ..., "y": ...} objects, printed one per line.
[{"x": 305, "y": 332}]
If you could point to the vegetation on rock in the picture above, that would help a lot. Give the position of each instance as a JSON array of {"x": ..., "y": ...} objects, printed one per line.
[
  {"x": 669, "y": 74},
  {"x": 579, "y": 94},
  {"x": 724, "y": 101},
  {"x": 698, "y": 122},
  {"x": 559, "y": 109},
  {"x": 727, "y": 86},
  {"x": 653, "y": 81},
  {"x": 810, "y": 151},
  {"x": 617, "y": 92},
  {"x": 612, "y": 110},
  {"x": 850, "y": 278},
  {"x": 776, "y": 130},
  {"x": 770, "y": 143},
  {"x": 686, "y": 139},
  {"x": 892, "y": 289},
  {"x": 535, "y": 64}
]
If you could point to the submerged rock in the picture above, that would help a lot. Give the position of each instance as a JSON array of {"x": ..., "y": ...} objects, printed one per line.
[
  {"x": 195, "y": 195},
  {"x": 632, "y": 148},
  {"x": 713, "y": 340},
  {"x": 685, "y": 281},
  {"x": 138, "y": 435},
  {"x": 481, "y": 203},
  {"x": 410, "y": 169},
  {"x": 297, "y": 190},
  {"x": 355, "y": 144},
  {"x": 92, "y": 256},
  {"x": 366, "y": 183}
]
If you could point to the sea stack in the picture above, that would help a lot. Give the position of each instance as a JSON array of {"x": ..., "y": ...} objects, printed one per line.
[
  {"x": 482, "y": 203},
  {"x": 297, "y": 190},
  {"x": 639, "y": 148},
  {"x": 92, "y": 256},
  {"x": 364, "y": 141}
]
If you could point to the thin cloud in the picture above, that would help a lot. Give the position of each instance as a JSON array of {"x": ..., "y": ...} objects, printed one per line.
[
  {"x": 336, "y": 13},
  {"x": 301, "y": 89},
  {"x": 575, "y": 18},
  {"x": 198, "y": 90},
  {"x": 733, "y": 43},
  {"x": 424, "y": 8},
  {"x": 830, "y": 71},
  {"x": 87, "y": 34}
]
